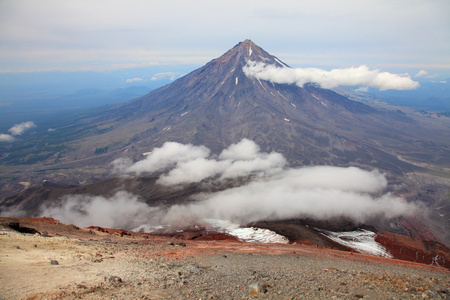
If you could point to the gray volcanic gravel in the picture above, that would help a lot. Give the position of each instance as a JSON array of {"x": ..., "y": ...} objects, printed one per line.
[{"x": 99, "y": 265}]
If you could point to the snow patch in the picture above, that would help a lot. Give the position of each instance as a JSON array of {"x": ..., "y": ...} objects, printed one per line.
[
  {"x": 278, "y": 61},
  {"x": 434, "y": 260},
  {"x": 237, "y": 79},
  {"x": 321, "y": 102},
  {"x": 247, "y": 234},
  {"x": 262, "y": 85},
  {"x": 249, "y": 51},
  {"x": 287, "y": 120},
  {"x": 282, "y": 96},
  {"x": 360, "y": 240},
  {"x": 183, "y": 114},
  {"x": 293, "y": 105}
]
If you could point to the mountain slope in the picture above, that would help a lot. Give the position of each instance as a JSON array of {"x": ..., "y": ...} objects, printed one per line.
[{"x": 218, "y": 104}]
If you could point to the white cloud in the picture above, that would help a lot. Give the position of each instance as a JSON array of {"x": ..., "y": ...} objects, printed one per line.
[
  {"x": 122, "y": 210},
  {"x": 6, "y": 138},
  {"x": 121, "y": 165},
  {"x": 421, "y": 73},
  {"x": 278, "y": 193},
  {"x": 244, "y": 150},
  {"x": 17, "y": 129},
  {"x": 363, "y": 89},
  {"x": 20, "y": 128},
  {"x": 312, "y": 192},
  {"x": 165, "y": 75},
  {"x": 167, "y": 156},
  {"x": 136, "y": 79},
  {"x": 193, "y": 171},
  {"x": 320, "y": 192},
  {"x": 154, "y": 77},
  {"x": 193, "y": 163},
  {"x": 360, "y": 76},
  {"x": 264, "y": 164}
]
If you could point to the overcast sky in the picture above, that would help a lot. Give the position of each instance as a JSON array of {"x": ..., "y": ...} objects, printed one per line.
[{"x": 110, "y": 35}]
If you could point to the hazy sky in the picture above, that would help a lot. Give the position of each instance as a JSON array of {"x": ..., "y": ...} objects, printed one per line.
[{"x": 157, "y": 36}]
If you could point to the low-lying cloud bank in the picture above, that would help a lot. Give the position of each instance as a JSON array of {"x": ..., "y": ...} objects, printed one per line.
[
  {"x": 315, "y": 192},
  {"x": 123, "y": 210},
  {"x": 320, "y": 192},
  {"x": 355, "y": 76},
  {"x": 17, "y": 129},
  {"x": 189, "y": 163}
]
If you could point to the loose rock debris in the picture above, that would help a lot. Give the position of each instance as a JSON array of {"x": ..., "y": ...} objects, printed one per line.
[{"x": 109, "y": 266}]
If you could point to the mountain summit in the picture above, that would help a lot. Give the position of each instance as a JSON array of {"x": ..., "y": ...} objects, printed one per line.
[
  {"x": 246, "y": 51},
  {"x": 210, "y": 84}
]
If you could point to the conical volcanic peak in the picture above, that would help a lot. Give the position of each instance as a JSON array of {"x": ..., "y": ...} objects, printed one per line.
[
  {"x": 219, "y": 104},
  {"x": 222, "y": 76},
  {"x": 225, "y": 74},
  {"x": 246, "y": 52},
  {"x": 227, "y": 70}
]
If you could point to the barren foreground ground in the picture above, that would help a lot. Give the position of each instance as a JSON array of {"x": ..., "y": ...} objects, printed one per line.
[{"x": 67, "y": 262}]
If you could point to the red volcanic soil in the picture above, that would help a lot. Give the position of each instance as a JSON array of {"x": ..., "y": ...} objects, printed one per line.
[
  {"x": 401, "y": 247},
  {"x": 199, "y": 235},
  {"x": 417, "y": 229},
  {"x": 416, "y": 250}
]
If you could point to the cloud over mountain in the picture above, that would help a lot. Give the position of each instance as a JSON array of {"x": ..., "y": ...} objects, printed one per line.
[
  {"x": 168, "y": 155},
  {"x": 189, "y": 163},
  {"x": 122, "y": 210},
  {"x": 359, "y": 76},
  {"x": 320, "y": 192}
]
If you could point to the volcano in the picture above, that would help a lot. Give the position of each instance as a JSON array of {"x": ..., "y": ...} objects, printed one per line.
[{"x": 220, "y": 104}]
